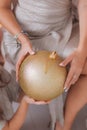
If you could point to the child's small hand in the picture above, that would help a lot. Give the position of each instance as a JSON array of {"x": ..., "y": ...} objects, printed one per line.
[{"x": 32, "y": 101}]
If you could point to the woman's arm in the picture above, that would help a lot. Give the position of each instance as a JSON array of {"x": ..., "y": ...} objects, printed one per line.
[
  {"x": 8, "y": 21},
  {"x": 82, "y": 11}
]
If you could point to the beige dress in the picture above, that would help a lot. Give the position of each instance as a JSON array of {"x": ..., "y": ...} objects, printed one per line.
[
  {"x": 49, "y": 24},
  {"x": 9, "y": 92},
  {"x": 2, "y": 124}
]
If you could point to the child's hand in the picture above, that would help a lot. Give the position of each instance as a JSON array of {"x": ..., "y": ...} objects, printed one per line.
[
  {"x": 77, "y": 60},
  {"x": 26, "y": 48},
  {"x": 32, "y": 101}
]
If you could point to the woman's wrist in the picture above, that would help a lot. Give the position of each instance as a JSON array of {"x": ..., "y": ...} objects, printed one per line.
[
  {"x": 82, "y": 50},
  {"x": 21, "y": 37}
]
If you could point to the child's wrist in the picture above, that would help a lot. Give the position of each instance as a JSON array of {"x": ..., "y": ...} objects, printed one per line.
[{"x": 25, "y": 99}]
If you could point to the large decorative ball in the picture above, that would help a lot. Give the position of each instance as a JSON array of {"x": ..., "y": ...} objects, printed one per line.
[{"x": 41, "y": 77}]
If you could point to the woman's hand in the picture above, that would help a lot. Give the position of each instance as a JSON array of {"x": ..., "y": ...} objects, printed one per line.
[
  {"x": 32, "y": 101},
  {"x": 26, "y": 48},
  {"x": 77, "y": 60}
]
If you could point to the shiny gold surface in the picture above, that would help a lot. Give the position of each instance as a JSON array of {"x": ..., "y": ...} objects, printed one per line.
[{"x": 41, "y": 77}]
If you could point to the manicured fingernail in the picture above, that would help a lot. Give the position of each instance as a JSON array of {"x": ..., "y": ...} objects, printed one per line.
[
  {"x": 66, "y": 90},
  {"x": 32, "y": 53},
  {"x": 61, "y": 64}
]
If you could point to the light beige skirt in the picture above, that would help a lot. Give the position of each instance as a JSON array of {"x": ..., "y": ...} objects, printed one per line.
[{"x": 46, "y": 43}]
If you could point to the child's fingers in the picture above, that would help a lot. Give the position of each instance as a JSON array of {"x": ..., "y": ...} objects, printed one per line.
[
  {"x": 41, "y": 102},
  {"x": 32, "y": 101}
]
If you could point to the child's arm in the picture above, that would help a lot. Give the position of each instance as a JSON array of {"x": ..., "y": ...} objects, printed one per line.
[
  {"x": 19, "y": 117},
  {"x": 9, "y": 21}
]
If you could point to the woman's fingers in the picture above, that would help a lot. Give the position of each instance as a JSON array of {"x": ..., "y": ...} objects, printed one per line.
[
  {"x": 68, "y": 80},
  {"x": 76, "y": 66},
  {"x": 30, "y": 50},
  {"x": 27, "y": 46},
  {"x": 70, "y": 74},
  {"x": 26, "y": 50},
  {"x": 21, "y": 58},
  {"x": 72, "y": 77},
  {"x": 66, "y": 61}
]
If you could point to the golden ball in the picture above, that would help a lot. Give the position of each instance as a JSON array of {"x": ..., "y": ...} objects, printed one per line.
[{"x": 41, "y": 77}]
